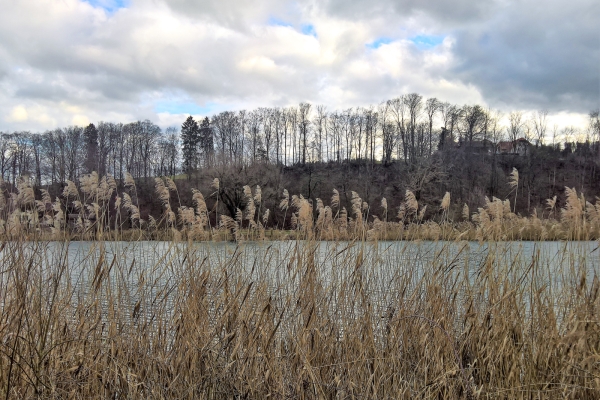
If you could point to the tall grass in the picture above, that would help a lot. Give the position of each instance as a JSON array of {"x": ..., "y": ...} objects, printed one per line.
[
  {"x": 351, "y": 317},
  {"x": 95, "y": 210},
  {"x": 302, "y": 320}
]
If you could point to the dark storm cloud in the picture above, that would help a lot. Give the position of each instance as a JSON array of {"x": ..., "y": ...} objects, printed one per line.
[
  {"x": 535, "y": 55},
  {"x": 443, "y": 11}
]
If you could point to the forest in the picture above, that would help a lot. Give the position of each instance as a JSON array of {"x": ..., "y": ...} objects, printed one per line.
[{"x": 426, "y": 146}]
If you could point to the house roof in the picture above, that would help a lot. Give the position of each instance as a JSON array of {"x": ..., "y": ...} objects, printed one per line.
[{"x": 505, "y": 146}]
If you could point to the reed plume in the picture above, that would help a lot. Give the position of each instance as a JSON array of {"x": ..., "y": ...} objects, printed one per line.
[
  {"x": 513, "y": 182},
  {"x": 335, "y": 199},
  {"x": 129, "y": 181},
  {"x": 412, "y": 205},
  {"x": 384, "y": 206}
]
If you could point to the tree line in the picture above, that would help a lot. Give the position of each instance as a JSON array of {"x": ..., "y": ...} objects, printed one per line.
[{"x": 407, "y": 129}]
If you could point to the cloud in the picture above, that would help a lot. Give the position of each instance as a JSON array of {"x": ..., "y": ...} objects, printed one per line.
[
  {"x": 161, "y": 59},
  {"x": 18, "y": 114},
  {"x": 543, "y": 55}
]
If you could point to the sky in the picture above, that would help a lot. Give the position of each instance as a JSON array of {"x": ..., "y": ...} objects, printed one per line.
[{"x": 72, "y": 62}]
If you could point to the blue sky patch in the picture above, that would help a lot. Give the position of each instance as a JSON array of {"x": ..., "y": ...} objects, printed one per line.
[
  {"x": 308, "y": 29},
  {"x": 426, "y": 42},
  {"x": 182, "y": 107},
  {"x": 109, "y": 6},
  {"x": 277, "y": 22},
  {"x": 379, "y": 42}
]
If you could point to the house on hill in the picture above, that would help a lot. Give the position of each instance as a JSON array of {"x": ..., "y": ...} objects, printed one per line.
[
  {"x": 478, "y": 146},
  {"x": 519, "y": 147}
]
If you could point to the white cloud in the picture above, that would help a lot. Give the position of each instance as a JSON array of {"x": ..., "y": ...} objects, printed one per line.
[
  {"x": 69, "y": 62},
  {"x": 18, "y": 114}
]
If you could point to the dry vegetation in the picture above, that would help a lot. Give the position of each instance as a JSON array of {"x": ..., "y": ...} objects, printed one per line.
[
  {"x": 254, "y": 323},
  {"x": 96, "y": 211},
  {"x": 327, "y": 320}
]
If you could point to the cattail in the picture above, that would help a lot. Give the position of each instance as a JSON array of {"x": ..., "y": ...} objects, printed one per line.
[
  {"x": 215, "y": 184},
  {"x": 284, "y": 204},
  {"x": 411, "y": 202},
  {"x": 384, "y": 205},
  {"x": 335, "y": 199},
  {"x": 446, "y": 201}
]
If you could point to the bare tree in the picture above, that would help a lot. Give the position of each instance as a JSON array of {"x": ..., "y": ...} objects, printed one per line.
[
  {"x": 388, "y": 136},
  {"x": 432, "y": 107},
  {"x": 397, "y": 109},
  {"x": 303, "y": 125},
  {"x": 414, "y": 104},
  {"x": 320, "y": 124},
  {"x": 539, "y": 126},
  {"x": 515, "y": 128},
  {"x": 472, "y": 119}
]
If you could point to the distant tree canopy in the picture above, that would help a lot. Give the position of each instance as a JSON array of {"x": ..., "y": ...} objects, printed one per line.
[{"x": 407, "y": 131}]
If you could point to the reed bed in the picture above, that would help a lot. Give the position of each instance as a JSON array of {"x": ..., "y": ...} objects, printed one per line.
[
  {"x": 94, "y": 210},
  {"x": 298, "y": 319}
]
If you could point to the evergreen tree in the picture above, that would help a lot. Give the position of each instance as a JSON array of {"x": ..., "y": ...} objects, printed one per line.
[
  {"x": 190, "y": 139},
  {"x": 90, "y": 140},
  {"x": 206, "y": 142}
]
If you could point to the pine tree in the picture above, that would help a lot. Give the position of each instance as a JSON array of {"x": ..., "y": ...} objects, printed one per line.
[
  {"x": 90, "y": 138},
  {"x": 190, "y": 138},
  {"x": 206, "y": 141}
]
